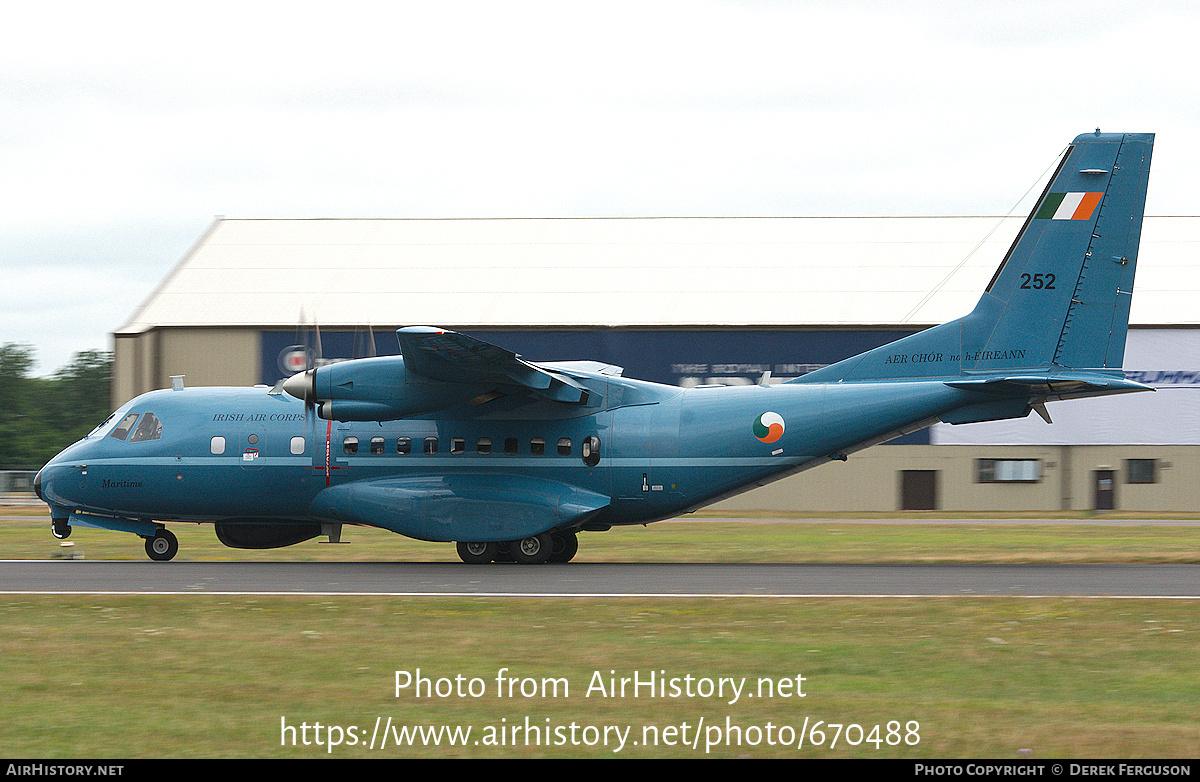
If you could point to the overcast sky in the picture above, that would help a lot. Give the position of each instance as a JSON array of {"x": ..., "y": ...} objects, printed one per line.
[{"x": 125, "y": 128}]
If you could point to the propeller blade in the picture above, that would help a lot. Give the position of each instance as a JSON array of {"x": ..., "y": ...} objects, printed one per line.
[{"x": 317, "y": 345}]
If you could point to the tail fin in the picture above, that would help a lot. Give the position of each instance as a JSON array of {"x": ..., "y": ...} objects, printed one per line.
[{"x": 1060, "y": 299}]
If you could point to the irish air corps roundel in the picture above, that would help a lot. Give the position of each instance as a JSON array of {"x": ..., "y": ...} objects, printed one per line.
[{"x": 768, "y": 427}]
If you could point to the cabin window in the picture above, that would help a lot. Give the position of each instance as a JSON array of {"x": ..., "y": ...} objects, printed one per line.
[
  {"x": 591, "y": 451},
  {"x": 378, "y": 446},
  {"x": 564, "y": 446},
  {"x": 298, "y": 445},
  {"x": 149, "y": 429},
  {"x": 458, "y": 445},
  {"x": 350, "y": 446},
  {"x": 403, "y": 445},
  {"x": 431, "y": 446},
  {"x": 483, "y": 446},
  {"x": 122, "y": 430},
  {"x": 510, "y": 446},
  {"x": 537, "y": 446},
  {"x": 217, "y": 445}
]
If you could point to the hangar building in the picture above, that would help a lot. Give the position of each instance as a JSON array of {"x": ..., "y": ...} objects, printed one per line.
[{"x": 702, "y": 300}]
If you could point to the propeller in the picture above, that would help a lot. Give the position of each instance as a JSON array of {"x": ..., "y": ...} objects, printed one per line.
[
  {"x": 302, "y": 385},
  {"x": 312, "y": 353},
  {"x": 368, "y": 341}
]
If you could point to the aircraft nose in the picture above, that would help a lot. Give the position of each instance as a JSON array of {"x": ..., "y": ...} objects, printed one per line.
[{"x": 48, "y": 484}]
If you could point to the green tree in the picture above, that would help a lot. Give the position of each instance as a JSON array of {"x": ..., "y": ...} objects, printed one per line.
[
  {"x": 15, "y": 409},
  {"x": 40, "y": 417},
  {"x": 79, "y": 394}
]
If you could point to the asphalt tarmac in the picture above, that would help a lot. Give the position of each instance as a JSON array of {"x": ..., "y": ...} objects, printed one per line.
[{"x": 598, "y": 580}]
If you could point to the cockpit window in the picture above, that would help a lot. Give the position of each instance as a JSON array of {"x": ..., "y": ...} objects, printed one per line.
[
  {"x": 149, "y": 429},
  {"x": 122, "y": 430}
]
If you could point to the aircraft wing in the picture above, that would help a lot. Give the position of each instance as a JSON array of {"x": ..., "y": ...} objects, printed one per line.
[
  {"x": 449, "y": 357},
  {"x": 460, "y": 506}
]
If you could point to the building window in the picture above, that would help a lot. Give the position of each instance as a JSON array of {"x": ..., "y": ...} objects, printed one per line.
[
  {"x": 1141, "y": 470},
  {"x": 1008, "y": 470}
]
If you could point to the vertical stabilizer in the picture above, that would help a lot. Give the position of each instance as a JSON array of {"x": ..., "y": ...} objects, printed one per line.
[
  {"x": 1082, "y": 239},
  {"x": 1060, "y": 298}
]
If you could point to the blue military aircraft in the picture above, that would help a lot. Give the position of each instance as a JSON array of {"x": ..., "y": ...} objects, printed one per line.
[{"x": 460, "y": 440}]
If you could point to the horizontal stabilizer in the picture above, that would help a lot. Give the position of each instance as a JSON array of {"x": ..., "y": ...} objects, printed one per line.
[{"x": 1056, "y": 385}]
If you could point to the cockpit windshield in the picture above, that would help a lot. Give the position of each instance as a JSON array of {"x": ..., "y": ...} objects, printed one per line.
[
  {"x": 109, "y": 423},
  {"x": 149, "y": 428},
  {"x": 122, "y": 429}
]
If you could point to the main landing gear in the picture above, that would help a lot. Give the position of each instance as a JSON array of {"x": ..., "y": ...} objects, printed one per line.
[
  {"x": 162, "y": 546},
  {"x": 555, "y": 546}
]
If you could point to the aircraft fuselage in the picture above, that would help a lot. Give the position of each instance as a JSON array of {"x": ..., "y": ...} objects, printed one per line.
[{"x": 246, "y": 455}]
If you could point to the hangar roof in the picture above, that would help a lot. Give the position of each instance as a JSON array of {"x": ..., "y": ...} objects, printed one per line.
[{"x": 651, "y": 272}]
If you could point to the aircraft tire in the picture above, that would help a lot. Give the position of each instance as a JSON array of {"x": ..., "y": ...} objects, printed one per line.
[
  {"x": 476, "y": 553},
  {"x": 565, "y": 545},
  {"x": 163, "y": 546},
  {"x": 60, "y": 529},
  {"x": 533, "y": 550}
]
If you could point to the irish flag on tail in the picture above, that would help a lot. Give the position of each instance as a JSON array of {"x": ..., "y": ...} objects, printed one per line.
[{"x": 1069, "y": 206}]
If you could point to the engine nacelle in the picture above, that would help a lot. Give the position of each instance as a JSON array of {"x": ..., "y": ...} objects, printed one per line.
[{"x": 374, "y": 389}]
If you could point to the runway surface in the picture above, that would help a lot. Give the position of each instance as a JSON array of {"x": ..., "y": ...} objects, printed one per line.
[{"x": 601, "y": 580}]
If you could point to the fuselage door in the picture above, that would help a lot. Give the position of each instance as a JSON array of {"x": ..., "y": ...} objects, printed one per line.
[{"x": 632, "y": 451}]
